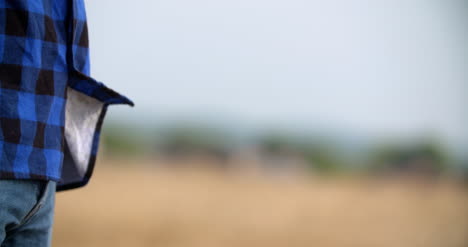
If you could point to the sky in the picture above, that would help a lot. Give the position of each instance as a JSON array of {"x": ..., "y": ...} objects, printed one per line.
[{"x": 380, "y": 67}]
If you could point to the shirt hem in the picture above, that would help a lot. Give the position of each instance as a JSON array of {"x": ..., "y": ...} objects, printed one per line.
[{"x": 26, "y": 176}]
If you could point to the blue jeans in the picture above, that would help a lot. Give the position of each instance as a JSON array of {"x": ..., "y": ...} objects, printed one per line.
[{"x": 26, "y": 213}]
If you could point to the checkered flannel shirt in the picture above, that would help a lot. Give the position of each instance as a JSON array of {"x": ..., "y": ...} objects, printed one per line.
[{"x": 51, "y": 110}]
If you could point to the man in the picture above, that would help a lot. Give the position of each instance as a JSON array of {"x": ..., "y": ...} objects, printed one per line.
[{"x": 51, "y": 113}]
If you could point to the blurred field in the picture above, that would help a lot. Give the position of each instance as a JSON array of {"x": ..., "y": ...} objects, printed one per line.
[{"x": 143, "y": 206}]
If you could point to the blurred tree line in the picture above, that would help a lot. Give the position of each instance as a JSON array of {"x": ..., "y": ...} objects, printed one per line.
[{"x": 320, "y": 154}]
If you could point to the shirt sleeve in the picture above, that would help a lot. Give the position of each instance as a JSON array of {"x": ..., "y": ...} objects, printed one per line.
[
  {"x": 84, "y": 115},
  {"x": 86, "y": 107}
]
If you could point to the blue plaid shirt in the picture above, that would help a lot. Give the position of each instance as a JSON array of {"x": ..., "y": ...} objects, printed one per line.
[{"x": 51, "y": 110}]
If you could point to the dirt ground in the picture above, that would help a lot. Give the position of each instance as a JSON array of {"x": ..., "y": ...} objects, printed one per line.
[{"x": 142, "y": 206}]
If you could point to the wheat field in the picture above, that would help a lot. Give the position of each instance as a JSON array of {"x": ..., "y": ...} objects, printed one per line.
[{"x": 139, "y": 205}]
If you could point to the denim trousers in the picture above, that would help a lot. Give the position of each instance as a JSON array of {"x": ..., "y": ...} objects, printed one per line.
[{"x": 26, "y": 212}]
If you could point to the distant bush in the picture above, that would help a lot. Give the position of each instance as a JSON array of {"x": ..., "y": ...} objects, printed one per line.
[
  {"x": 316, "y": 152},
  {"x": 425, "y": 158},
  {"x": 122, "y": 141},
  {"x": 188, "y": 141}
]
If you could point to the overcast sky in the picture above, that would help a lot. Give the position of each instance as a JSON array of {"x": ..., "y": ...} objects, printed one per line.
[{"x": 388, "y": 67}]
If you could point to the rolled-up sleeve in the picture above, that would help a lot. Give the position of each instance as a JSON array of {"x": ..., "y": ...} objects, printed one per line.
[{"x": 86, "y": 107}]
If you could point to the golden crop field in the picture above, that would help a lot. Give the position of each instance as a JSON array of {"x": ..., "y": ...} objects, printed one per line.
[{"x": 143, "y": 206}]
